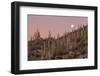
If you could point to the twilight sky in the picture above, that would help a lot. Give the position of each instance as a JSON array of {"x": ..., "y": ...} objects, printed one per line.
[{"x": 54, "y": 24}]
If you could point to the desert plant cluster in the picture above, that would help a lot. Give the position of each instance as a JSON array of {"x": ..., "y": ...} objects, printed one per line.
[{"x": 71, "y": 45}]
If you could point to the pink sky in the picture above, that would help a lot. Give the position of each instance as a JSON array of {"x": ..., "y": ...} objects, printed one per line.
[{"x": 54, "y": 24}]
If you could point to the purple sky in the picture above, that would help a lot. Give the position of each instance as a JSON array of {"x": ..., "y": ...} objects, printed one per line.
[{"x": 54, "y": 24}]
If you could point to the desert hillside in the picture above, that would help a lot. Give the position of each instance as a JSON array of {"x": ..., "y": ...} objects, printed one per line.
[{"x": 71, "y": 45}]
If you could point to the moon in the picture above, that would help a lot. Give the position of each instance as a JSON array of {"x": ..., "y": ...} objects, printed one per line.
[{"x": 72, "y": 26}]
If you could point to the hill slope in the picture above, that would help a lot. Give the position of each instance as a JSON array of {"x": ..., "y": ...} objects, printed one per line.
[{"x": 71, "y": 45}]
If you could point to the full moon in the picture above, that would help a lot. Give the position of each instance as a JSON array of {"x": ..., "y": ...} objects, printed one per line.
[{"x": 72, "y": 26}]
